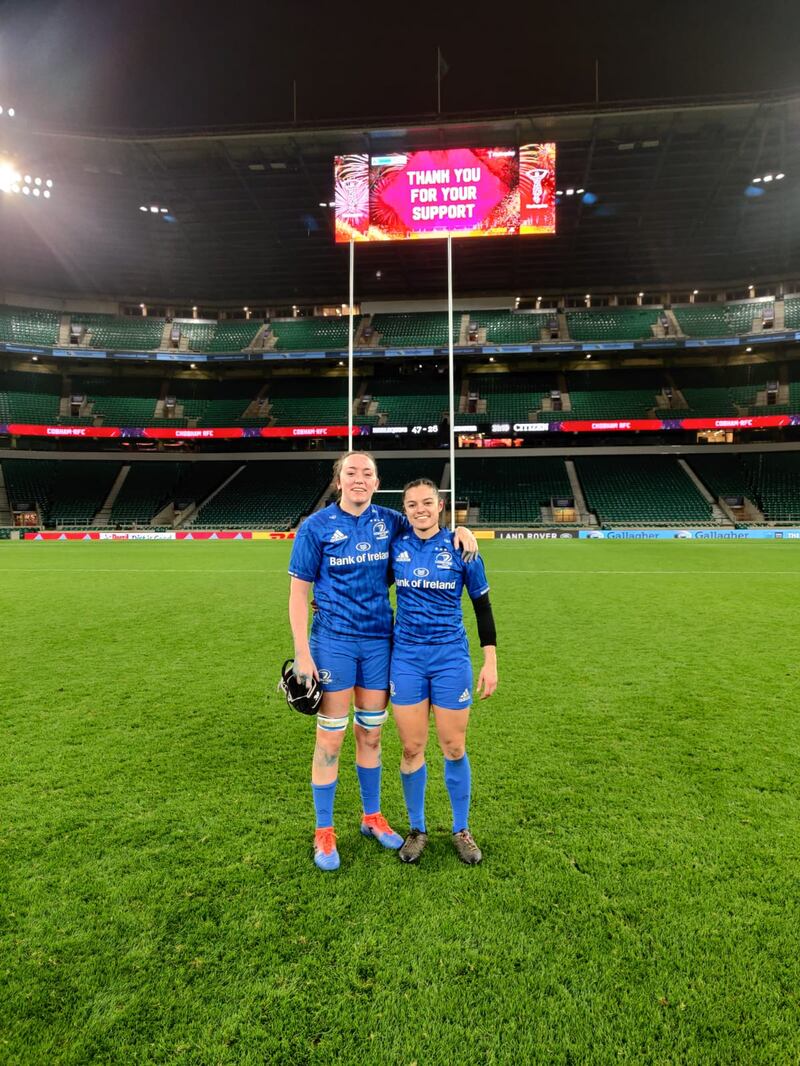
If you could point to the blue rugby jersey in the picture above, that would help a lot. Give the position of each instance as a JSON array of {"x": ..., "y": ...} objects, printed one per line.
[
  {"x": 430, "y": 576},
  {"x": 347, "y": 559}
]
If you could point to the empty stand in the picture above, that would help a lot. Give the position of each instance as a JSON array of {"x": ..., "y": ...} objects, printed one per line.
[
  {"x": 29, "y": 397},
  {"x": 308, "y": 401},
  {"x": 396, "y": 473},
  {"x": 132, "y": 332},
  {"x": 612, "y": 323},
  {"x": 145, "y": 491},
  {"x": 28, "y": 325},
  {"x": 774, "y": 478},
  {"x": 641, "y": 489},
  {"x": 511, "y": 327},
  {"x": 296, "y": 334},
  {"x": 420, "y": 329},
  {"x": 719, "y": 320},
  {"x": 272, "y": 495},
  {"x": 512, "y": 397},
  {"x": 612, "y": 394},
  {"x": 511, "y": 491}
]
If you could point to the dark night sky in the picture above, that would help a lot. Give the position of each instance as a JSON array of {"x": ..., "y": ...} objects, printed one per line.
[{"x": 78, "y": 64}]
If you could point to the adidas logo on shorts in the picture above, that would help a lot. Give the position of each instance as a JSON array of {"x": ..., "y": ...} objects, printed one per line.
[
  {"x": 464, "y": 697},
  {"x": 338, "y": 536},
  {"x": 403, "y": 557}
]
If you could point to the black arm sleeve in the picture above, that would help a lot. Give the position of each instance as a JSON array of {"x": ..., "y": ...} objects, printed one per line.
[{"x": 487, "y": 632}]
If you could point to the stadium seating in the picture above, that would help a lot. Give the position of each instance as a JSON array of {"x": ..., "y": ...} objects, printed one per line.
[
  {"x": 120, "y": 401},
  {"x": 408, "y": 399},
  {"x": 126, "y": 332},
  {"x": 148, "y": 487},
  {"x": 29, "y": 483},
  {"x": 200, "y": 335},
  {"x": 792, "y": 312},
  {"x": 233, "y": 335},
  {"x": 29, "y": 397},
  {"x": 774, "y": 478},
  {"x": 216, "y": 403},
  {"x": 723, "y": 474},
  {"x": 67, "y": 493},
  {"x": 28, "y": 325},
  {"x": 296, "y": 334},
  {"x": 612, "y": 323},
  {"x": 512, "y": 397},
  {"x": 271, "y": 495},
  {"x": 641, "y": 489},
  {"x": 419, "y": 329},
  {"x": 308, "y": 401},
  {"x": 719, "y": 320},
  {"x": 612, "y": 394},
  {"x": 396, "y": 473},
  {"x": 511, "y": 491},
  {"x": 79, "y": 491},
  {"x": 511, "y": 327},
  {"x": 197, "y": 480}
]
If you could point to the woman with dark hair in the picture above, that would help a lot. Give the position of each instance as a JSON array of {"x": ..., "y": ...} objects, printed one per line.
[
  {"x": 343, "y": 552},
  {"x": 431, "y": 668}
]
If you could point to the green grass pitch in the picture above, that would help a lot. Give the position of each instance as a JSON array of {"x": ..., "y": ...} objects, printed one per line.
[{"x": 635, "y": 794}]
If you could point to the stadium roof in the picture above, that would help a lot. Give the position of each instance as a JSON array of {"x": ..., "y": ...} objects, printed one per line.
[{"x": 672, "y": 209}]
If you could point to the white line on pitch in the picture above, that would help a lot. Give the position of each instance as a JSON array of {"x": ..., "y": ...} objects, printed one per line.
[{"x": 494, "y": 570}]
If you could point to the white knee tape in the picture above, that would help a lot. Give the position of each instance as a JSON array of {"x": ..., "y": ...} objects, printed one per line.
[
  {"x": 370, "y": 719},
  {"x": 331, "y": 725}
]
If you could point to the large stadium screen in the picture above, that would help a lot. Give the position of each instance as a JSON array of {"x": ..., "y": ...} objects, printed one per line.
[{"x": 461, "y": 192}]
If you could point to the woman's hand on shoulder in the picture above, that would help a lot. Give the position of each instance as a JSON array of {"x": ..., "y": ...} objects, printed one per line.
[{"x": 466, "y": 540}]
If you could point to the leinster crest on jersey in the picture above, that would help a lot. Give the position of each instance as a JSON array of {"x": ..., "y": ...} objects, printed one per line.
[
  {"x": 444, "y": 559},
  {"x": 379, "y": 530}
]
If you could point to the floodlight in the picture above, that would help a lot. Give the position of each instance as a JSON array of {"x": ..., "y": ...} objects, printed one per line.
[
  {"x": 9, "y": 177},
  {"x": 756, "y": 181},
  {"x": 37, "y": 181},
  {"x": 143, "y": 208},
  {"x": 779, "y": 177},
  {"x": 153, "y": 210},
  {"x": 37, "y": 192},
  {"x": 46, "y": 194},
  {"x": 28, "y": 179},
  {"x": 49, "y": 183},
  {"x": 26, "y": 190},
  {"x": 767, "y": 177},
  {"x": 11, "y": 112}
]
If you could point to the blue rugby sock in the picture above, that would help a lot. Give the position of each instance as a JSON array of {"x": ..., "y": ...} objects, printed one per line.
[
  {"x": 414, "y": 793},
  {"x": 458, "y": 779},
  {"x": 323, "y": 803},
  {"x": 369, "y": 782}
]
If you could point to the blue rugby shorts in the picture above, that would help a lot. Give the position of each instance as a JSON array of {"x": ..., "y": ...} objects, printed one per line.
[{"x": 441, "y": 673}]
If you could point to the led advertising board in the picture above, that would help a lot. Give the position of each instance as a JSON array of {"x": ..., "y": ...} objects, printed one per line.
[{"x": 460, "y": 192}]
